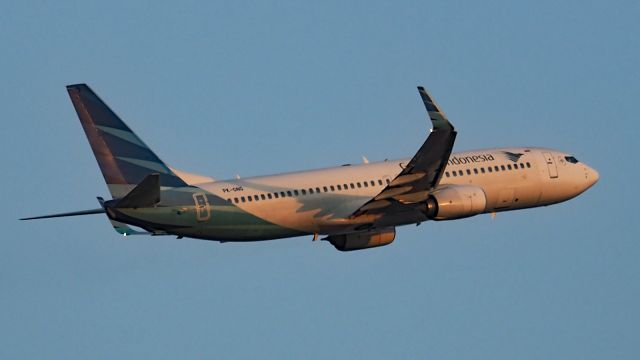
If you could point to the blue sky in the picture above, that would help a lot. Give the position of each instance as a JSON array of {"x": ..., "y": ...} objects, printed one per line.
[{"x": 254, "y": 88}]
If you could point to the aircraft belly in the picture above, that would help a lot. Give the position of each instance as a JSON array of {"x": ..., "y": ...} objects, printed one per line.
[{"x": 239, "y": 233}]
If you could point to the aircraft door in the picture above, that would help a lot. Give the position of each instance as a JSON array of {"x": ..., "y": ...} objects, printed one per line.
[
  {"x": 551, "y": 165},
  {"x": 203, "y": 212}
]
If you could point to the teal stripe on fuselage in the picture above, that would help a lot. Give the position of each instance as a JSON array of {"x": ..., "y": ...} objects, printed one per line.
[{"x": 176, "y": 214}]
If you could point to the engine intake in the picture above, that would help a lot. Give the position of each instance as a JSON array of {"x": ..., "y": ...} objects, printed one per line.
[
  {"x": 362, "y": 240},
  {"x": 455, "y": 202}
]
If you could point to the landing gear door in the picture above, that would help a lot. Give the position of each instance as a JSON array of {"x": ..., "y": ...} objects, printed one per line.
[
  {"x": 203, "y": 212},
  {"x": 551, "y": 165}
]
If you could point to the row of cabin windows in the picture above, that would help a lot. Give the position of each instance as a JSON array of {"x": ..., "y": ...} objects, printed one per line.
[
  {"x": 489, "y": 169},
  {"x": 309, "y": 191}
]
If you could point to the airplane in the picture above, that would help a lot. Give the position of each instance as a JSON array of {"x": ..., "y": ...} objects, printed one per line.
[{"x": 353, "y": 206}]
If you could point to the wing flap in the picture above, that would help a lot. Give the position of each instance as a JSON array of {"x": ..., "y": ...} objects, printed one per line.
[
  {"x": 412, "y": 198},
  {"x": 377, "y": 204}
]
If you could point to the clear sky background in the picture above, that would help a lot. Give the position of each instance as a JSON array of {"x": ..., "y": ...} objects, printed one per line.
[{"x": 255, "y": 88}]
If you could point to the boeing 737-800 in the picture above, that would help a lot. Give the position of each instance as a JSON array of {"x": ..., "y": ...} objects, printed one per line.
[{"x": 353, "y": 206}]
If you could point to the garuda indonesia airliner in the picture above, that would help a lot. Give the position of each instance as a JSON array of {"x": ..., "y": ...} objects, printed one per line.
[{"x": 352, "y": 206}]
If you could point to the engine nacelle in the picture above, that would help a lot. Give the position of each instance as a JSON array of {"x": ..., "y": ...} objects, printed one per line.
[
  {"x": 363, "y": 240},
  {"x": 455, "y": 202}
]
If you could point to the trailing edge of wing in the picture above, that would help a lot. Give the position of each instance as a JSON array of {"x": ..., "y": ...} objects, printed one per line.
[{"x": 74, "y": 213}]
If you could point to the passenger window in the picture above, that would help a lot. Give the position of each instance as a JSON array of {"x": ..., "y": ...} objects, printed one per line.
[
  {"x": 282, "y": 194},
  {"x": 263, "y": 197},
  {"x": 352, "y": 186},
  {"x": 289, "y": 194},
  {"x": 454, "y": 173},
  {"x": 235, "y": 200},
  {"x": 269, "y": 196},
  {"x": 345, "y": 187},
  {"x": 388, "y": 181},
  {"x": 304, "y": 192},
  {"x": 379, "y": 183},
  {"x": 275, "y": 195},
  {"x": 468, "y": 172},
  {"x": 325, "y": 189},
  {"x": 359, "y": 185},
  {"x": 256, "y": 198},
  {"x": 310, "y": 191},
  {"x": 446, "y": 174},
  {"x": 489, "y": 169},
  {"x": 482, "y": 170},
  {"x": 528, "y": 165},
  {"x": 318, "y": 190},
  {"x": 229, "y": 200},
  {"x": 295, "y": 192},
  {"x": 332, "y": 188},
  {"x": 509, "y": 166},
  {"x": 496, "y": 168},
  {"x": 242, "y": 198},
  {"x": 460, "y": 172},
  {"x": 372, "y": 183},
  {"x": 475, "y": 170},
  {"x": 339, "y": 187},
  {"x": 366, "y": 184},
  {"x": 502, "y": 167},
  {"x": 249, "y": 198}
]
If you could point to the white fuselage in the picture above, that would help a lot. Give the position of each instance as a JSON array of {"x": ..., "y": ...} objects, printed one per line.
[{"x": 321, "y": 201}]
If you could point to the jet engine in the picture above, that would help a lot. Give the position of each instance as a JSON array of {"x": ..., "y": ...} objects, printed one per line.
[
  {"x": 362, "y": 240},
  {"x": 455, "y": 202}
]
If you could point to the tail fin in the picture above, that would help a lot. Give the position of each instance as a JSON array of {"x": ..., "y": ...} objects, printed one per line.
[{"x": 123, "y": 158}]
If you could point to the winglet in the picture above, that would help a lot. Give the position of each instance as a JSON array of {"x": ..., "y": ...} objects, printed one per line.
[{"x": 437, "y": 116}]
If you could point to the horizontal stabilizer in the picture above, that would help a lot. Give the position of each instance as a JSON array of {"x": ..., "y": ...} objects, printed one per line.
[
  {"x": 74, "y": 213},
  {"x": 146, "y": 194}
]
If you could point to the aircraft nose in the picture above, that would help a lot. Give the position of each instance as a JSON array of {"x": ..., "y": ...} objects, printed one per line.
[{"x": 592, "y": 176}]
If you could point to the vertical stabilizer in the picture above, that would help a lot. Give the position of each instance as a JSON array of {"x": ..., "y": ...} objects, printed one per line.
[{"x": 123, "y": 158}]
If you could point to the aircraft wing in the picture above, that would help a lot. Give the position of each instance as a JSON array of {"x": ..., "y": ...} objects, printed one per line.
[{"x": 424, "y": 170}]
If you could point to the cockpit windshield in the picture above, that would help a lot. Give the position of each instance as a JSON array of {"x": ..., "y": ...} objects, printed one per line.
[{"x": 571, "y": 159}]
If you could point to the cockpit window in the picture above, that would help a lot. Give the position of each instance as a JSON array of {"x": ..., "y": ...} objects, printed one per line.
[{"x": 571, "y": 159}]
